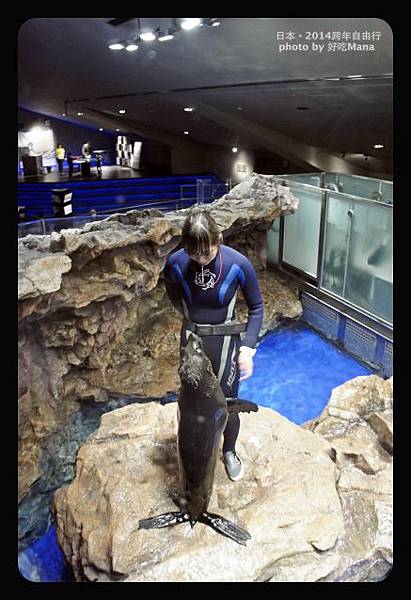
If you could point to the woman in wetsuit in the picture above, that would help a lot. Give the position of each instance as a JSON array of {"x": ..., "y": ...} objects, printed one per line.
[{"x": 202, "y": 280}]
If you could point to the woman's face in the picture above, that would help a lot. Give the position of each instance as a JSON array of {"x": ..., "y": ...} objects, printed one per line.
[{"x": 204, "y": 259}]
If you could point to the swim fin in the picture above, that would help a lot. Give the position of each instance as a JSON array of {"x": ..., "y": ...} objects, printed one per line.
[
  {"x": 222, "y": 525},
  {"x": 164, "y": 520}
]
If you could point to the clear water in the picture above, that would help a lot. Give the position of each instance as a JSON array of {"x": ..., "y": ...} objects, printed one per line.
[
  {"x": 295, "y": 371},
  {"x": 44, "y": 560}
]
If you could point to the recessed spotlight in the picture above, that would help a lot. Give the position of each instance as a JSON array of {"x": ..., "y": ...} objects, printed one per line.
[
  {"x": 188, "y": 24},
  {"x": 117, "y": 129},
  {"x": 148, "y": 36},
  {"x": 378, "y": 146},
  {"x": 234, "y": 149},
  {"x": 100, "y": 129},
  {"x": 186, "y": 132},
  {"x": 116, "y": 46},
  {"x": 63, "y": 114},
  {"x": 80, "y": 114},
  {"x": 122, "y": 111},
  {"x": 188, "y": 109},
  {"x": 131, "y": 47}
]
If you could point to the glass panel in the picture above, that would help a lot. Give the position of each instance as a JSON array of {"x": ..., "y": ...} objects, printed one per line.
[
  {"x": 307, "y": 178},
  {"x": 273, "y": 241},
  {"x": 364, "y": 187},
  {"x": 386, "y": 191},
  {"x": 302, "y": 231},
  {"x": 331, "y": 178},
  {"x": 369, "y": 274},
  {"x": 335, "y": 244}
]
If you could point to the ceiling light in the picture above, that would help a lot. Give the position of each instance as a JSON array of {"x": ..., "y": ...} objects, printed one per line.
[
  {"x": 188, "y": 109},
  {"x": 164, "y": 37},
  {"x": 378, "y": 146},
  {"x": 63, "y": 114},
  {"x": 117, "y": 129},
  {"x": 188, "y": 24},
  {"x": 148, "y": 36},
  {"x": 131, "y": 47},
  {"x": 239, "y": 108},
  {"x": 116, "y": 46},
  {"x": 122, "y": 111},
  {"x": 100, "y": 129},
  {"x": 354, "y": 76},
  {"x": 215, "y": 23},
  {"x": 186, "y": 132},
  {"x": 80, "y": 114},
  {"x": 234, "y": 149}
]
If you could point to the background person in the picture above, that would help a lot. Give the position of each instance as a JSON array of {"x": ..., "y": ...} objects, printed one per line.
[
  {"x": 60, "y": 154},
  {"x": 87, "y": 150}
]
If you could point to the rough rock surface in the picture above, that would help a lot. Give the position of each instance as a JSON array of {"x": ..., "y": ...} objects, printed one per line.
[
  {"x": 94, "y": 318},
  {"x": 358, "y": 422},
  {"x": 313, "y": 513},
  {"x": 127, "y": 470}
]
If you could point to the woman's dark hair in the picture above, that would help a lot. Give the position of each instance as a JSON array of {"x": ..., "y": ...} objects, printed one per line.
[{"x": 200, "y": 232}]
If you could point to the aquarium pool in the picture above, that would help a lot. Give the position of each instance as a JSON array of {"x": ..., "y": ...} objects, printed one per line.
[{"x": 295, "y": 371}]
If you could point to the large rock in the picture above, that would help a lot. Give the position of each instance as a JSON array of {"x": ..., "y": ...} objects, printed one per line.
[
  {"x": 127, "y": 470},
  {"x": 357, "y": 422},
  {"x": 94, "y": 318},
  {"x": 313, "y": 512}
]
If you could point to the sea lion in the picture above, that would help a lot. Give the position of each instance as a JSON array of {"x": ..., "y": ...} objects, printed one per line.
[{"x": 202, "y": 416}]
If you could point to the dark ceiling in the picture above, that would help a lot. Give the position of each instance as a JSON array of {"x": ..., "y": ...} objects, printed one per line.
[{"x": 236, "y": 68}]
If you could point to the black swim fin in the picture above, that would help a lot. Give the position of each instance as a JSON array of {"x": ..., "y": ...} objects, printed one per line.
[
  {"x": 234, "y": 532},
  {"x": 236, "y": 405},
  {"x": 164, "y": 520}
]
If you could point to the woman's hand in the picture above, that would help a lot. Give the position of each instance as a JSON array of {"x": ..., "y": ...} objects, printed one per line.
[{"x": 245, "y": 362}]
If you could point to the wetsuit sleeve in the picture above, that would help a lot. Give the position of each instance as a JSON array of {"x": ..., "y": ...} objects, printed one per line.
[
  {"x": 172, "y": 286},
  {"x": 251, "y": 291}
]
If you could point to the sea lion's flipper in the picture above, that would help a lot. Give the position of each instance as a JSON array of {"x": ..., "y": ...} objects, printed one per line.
[
  {"x": 165, "y": 520},
  {"x": 225, "y": 527},
  {"x": 236, "y": 405}
]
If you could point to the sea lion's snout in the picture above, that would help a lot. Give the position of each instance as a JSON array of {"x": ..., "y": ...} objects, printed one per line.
[
  {"x": 195, "y": 342},
  {"x": 193, "y": 361}
]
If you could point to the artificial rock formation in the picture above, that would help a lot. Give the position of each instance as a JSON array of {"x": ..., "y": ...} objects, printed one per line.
[
  {"x": 314, "y": 512},
  {"x": 94, "y": 319},
  {"x": 358, "y": 424}
]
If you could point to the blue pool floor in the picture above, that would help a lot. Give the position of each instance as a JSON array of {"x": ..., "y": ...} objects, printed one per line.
[{"x": 295, "y": 371}]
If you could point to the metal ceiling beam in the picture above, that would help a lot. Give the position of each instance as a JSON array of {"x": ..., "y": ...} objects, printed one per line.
[{"x": 232, "y": 86}]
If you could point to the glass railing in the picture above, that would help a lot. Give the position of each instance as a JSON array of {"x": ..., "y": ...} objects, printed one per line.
[
  {"x": 302, "y": 230},
  {"x": 354, "y": 185},
  {"x": 204, "y": 191},
  {"x": 343, "y": 242},
  {"x": 47, "y": 226},
  {"x": 358, "y": 256},
  {"x": 307, "y": 178}
]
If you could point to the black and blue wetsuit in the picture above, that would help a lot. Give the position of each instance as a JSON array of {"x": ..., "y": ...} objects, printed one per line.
[{"x": 207, "y": 295}]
